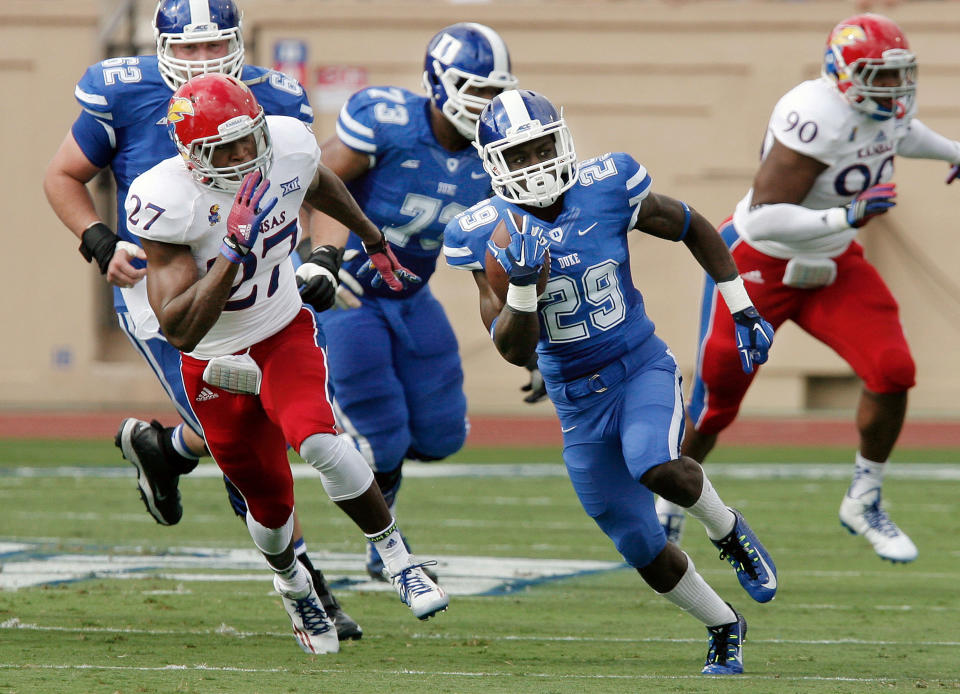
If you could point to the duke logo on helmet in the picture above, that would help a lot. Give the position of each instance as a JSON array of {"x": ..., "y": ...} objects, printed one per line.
[
  {"x": 516, "y": 117},
  {"x": 462, "y": 57}
]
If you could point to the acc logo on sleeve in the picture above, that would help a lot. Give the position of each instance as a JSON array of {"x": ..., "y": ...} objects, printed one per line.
[{"x": 179, "y": 107}]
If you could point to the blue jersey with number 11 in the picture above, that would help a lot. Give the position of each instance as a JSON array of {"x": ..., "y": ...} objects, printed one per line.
[{"x": 590, "y": 312}]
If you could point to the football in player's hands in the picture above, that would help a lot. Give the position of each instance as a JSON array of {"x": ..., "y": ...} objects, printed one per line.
[{"x": 497, "y": 276}]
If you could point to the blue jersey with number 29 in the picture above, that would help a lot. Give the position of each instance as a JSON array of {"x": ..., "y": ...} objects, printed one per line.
[{"x": 590, "y": 312}]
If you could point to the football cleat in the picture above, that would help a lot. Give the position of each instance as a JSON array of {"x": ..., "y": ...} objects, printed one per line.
[
  {"x": 755, "y": 569},
  {"x": 866, "y": 516},
  {"x": 424, "y": 597},
  {"x": 347, "y": 627},
  {"x": 314, "y": 631},
  {"x": 139, "y": 443},
  {"x": 375, "y": 565},
  {"x": 725, "y": 649},
  {"x": 672, "y": 517}
]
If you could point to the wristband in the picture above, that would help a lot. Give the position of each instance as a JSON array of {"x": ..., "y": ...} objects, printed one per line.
[
  {"x": 98, "y": 242},
  {"x": 522, "y": 299},
  {"x": 378, "y": 247},
  {"x": 735, "y": 294},
  {"x": 230, "y": 250}
]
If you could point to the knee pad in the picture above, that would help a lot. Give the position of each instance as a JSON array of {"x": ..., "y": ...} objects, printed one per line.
[
  {"x": 343, "y": 471},
  {"x": 270, "y": 540}
]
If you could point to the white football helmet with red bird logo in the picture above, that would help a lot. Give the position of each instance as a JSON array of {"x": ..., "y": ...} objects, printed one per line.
[
  {"x": 213, "y": 110},
  {"x": 870, "y": 61}
]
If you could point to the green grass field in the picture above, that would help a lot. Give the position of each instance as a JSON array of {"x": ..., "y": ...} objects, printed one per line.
[{"x": 125, "y": 605}]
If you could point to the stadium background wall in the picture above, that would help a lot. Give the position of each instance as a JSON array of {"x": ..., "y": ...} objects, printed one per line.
[{"x": 685, "y": 88}]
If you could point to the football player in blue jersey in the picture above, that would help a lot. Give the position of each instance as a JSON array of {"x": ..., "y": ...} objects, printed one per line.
[
  {"x": 407, "y": 159},
  {"x": 123, "y": 126},
  {"x": 615, "y": 384}
]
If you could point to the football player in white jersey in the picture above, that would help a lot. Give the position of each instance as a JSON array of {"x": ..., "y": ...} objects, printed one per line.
[
  {"x": 827, "y": 163},
  {"x": 121, "y": 126},
  {"x": 222, "y": 286}
]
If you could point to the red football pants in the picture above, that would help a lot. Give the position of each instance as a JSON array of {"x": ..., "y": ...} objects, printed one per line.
[
  {"x": 248, "y": 434},
  {"x": 856, "y": 316}
]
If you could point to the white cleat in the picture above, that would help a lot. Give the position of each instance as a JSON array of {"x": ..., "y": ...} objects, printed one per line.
[
  {"x": 314, "y": 631},
  {"x": 866, "y": 516},
  {"x": 672, "y": 517},
  {"x": 424, "y": 597}
]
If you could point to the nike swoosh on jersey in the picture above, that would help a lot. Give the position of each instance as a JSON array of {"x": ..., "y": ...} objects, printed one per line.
[
  {"x": 564, "y": 431},
  {"x": 581, "y": 232},
  {"x": 477, "y": 176}
]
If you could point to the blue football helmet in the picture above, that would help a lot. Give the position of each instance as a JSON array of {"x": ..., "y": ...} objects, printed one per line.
[
  {"x": 460, "y": 57},
  {"x": 189, "y": 21},
  {"x": 516, "y": 117}
]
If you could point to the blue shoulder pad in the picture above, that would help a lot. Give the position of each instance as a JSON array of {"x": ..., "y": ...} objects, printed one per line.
[
  {"x": 278, "y": 94},
  {"x": 122, "y": 90},
  {"x": 361, "y": 121},
  {"x": 465, "y": 236}
]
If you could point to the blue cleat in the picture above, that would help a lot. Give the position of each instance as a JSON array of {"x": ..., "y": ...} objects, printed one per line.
[
  {"x": 725, "y": 650},
  {"x": 755, "y": 569}
]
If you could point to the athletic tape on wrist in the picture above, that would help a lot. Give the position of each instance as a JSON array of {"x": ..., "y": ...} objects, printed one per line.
[
  {"x": 735, "y": 294},
  {"x": 522, "y": 298}
]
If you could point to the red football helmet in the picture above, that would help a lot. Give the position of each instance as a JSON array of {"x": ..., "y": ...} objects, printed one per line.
[
  {"x": 863, "y": 48},
  {"x": 213, "y": 110}
]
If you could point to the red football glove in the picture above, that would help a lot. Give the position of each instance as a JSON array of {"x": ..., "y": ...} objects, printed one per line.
[
  {"x": 388, "y": 267},
  {"x": 245, "y": 218}
]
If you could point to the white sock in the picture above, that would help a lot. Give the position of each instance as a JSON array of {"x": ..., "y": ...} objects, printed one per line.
[
  {"x": 390, "y": 546},
  {"x": 293, "y": 580},
  {"x": 694, "y": 596},
  {"x": 867, "y": 476},
  {"x": 712, "y": 512}
]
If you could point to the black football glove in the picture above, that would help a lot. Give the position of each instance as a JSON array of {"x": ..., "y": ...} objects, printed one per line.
[
  {"x": 536, "y": 388},
  {"x": 317, "y": 277}
]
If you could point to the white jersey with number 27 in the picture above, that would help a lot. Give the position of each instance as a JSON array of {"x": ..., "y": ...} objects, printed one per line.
[{"x": 166, "y": 204}]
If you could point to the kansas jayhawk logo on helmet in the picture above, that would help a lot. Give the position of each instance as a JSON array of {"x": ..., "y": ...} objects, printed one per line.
[{"x": 179, "y": 107}]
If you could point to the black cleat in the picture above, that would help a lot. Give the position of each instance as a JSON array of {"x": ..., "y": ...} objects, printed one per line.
[{"x": 140, "y": 444}]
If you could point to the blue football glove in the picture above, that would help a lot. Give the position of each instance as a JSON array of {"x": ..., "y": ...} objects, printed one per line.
[
  {"x": 954, "y": 173},
  {"x": 754, "y": 337},
  {"x": 523, "y": 258},
  {"x": 872, "y": 202}
]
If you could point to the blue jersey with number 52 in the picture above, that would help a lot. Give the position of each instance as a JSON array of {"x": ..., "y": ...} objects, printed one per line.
[
  {"x": 590, "y": 312},
  {"x": 123, "y": 122},
  {"x": 414, "y": 186}
]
